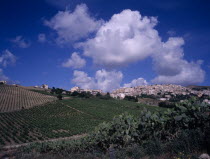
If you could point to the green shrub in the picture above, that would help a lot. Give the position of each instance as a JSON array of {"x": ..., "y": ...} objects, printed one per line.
[
  {"x": 166, "y": 104},
  {"x": 131, "y": 98},
  {"x": 106, "y": 97},
  {"x": 60, "y": 97},
  {"x": 187, "y": 141}
]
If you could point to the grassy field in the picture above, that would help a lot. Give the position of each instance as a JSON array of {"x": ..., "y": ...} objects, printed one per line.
[{"x": 62, "y": 119}]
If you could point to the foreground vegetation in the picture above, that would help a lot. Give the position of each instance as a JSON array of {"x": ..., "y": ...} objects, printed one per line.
[
  {"x": 62, "y": 119},
  {"x": 181, "y": 132}
]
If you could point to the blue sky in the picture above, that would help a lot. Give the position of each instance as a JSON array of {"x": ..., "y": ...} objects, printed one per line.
[{"x": 105, "y": 44}]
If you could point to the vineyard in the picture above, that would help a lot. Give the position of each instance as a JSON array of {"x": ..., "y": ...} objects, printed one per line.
[
  {"x": 62, "y": 119},
  {"x": 14, "y": 98},
  {"x": 179, "y": 133}
]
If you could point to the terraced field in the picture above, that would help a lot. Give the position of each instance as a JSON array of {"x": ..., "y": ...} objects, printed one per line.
[
  {"x": 62, "y": 119},
  {"x": 14, "y": 98}
]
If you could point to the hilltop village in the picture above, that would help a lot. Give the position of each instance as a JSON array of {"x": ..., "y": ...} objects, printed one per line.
[
  {"x": 91, "y": 91},
  {"x": 167, "y": 91},
  {"x": 156, "y": 93}
]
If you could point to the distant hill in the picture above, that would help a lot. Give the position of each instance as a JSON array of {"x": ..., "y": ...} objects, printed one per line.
[
  {"x": 14, "y": 98},
  {"x": 199, "y": 88}
]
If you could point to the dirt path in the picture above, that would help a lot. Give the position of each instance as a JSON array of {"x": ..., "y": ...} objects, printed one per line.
[
  {"x": 74, "y": 137},
  {"x": 99, "y": 118},
  {"x": 78, "y": 110}
]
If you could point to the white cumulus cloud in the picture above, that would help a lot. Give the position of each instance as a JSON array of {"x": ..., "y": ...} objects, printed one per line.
[
  {"x": 127, "y": 37},
  {"x": 191, "y": 74},
  {"x": 136, "y": 82},
  {"x": 21, "y": 42},
  {"x": 7, "y": 58},
  {"x": 75, "y": 61},
  {"x": 72, "y": 26},
  {"x": 167, "y": 60},
  {"x": 82, "y": 80},
  {"x": 173, "y": 69},
  {"x": 104, "y": 80}
]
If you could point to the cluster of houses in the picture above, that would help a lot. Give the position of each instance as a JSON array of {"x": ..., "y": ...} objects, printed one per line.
[
  {"x": 79, "y": 90},
  {"x": 150, "y": 90},
  {"x": 44, "y": 86},
  {"x": 165, "y": 91}
]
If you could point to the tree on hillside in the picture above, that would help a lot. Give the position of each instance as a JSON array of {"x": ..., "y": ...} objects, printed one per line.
[
  {"x": 75, "y": 93},
  {"x": 59, "y": 91},
  {"x": 85, "y": 95},
  {"x": 52, "y": 90},
  {"x": 107, "y": 96},
  {"x": 131, "y": 98},
  {"x": 98, "y": 94},
  {"x": 68, "y": 93},
  {"x": 60, "y": 97}
]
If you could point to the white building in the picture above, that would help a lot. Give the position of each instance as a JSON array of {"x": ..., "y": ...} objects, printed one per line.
[
  {"x": 92, "y": 91},
  {"x": 73, "y": 89},
  {"x": 45, "y": 86},
  {"x": 3, "y": 82}
]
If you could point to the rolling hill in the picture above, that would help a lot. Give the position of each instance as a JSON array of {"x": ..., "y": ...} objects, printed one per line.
[
  {"x": 14, "y": 98},
  {"x": 62, "y": 118}
]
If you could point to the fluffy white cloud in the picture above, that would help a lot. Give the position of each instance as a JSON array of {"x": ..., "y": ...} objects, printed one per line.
[
  {"x": 173, "y": 69},
  {"x": 104, "y": 80},
  {"x": 7, "y": 58},
  {"x": 41, "y": 38},
  {"x": 168, "y": 60},
  {"x": 75, "y": 61},
  {"x": 21, "y": 42},
  {"x": 72, "y": 26},
  {"x": 190, "y": 74},
  {"x": 2, "y": 76},
  {"x": 108, "y": 81},
  {"x": 127, "y": 37},
  {"x": 82, "y": 80},
  {"x": 136, "y": 82}
]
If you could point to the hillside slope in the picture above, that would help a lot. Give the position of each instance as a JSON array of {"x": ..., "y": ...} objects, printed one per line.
[
  {"x": 14, "y": 98},
  {"x": 63, "y": 118}
]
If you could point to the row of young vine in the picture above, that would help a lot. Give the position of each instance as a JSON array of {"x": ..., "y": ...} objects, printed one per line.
[
  {"x": 14, "y": 98},
  {"x": 40, "y": 123}
]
